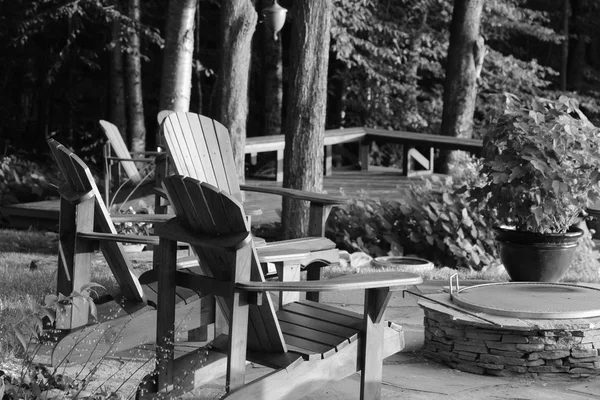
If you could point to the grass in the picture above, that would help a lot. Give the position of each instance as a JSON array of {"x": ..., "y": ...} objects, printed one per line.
[{"x": 28, "y": 267}]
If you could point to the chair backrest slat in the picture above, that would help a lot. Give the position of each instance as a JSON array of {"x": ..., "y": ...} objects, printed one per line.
[
  {"x": 120, "y": 148},
  {"x": 222, "y": 134},
  {"x": 80, "y": 179},
  {"x": 200, "y": 148},
  {"x": 206, "y": 210},
  {"x": 203, "y": 168}
]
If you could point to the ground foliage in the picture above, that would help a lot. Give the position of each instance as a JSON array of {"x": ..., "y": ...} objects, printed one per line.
[
  {"x": 434, "y": 221},
  {"x": 23, "y": 180}
]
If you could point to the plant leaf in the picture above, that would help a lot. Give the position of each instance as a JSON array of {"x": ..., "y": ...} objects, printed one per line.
[{"x": 21, "y": 337}]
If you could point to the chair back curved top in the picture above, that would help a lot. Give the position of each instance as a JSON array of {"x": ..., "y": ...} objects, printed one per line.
[
  {"x": 199, "y": 147},
  {"x": 80, "y": 180}
]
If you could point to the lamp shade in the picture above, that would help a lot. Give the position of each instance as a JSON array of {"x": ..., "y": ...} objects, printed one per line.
[{"x": 274, "y": 17}]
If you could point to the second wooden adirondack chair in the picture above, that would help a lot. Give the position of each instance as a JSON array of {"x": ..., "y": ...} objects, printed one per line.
[
  {"x": 117, "y": 156},
  {"x": 130, "y": 319},
  {"x": 199, "y": 147},
  {"x": 308, "y": 344}
]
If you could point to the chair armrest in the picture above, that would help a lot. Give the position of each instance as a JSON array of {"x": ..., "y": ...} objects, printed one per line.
[
  {"x": 297, "y": 194},
  {"x": 252, "y": 211},
  {"x": 146, "y": 160},
  {"x": 149, "y": 218},
  {"x": 161, "y": 192},
  {"x": 115, "y": 237},
  {"x": 174, "y": 231},
  {"x": 147, "y": 153},
  {"x": 390, "y": 279}
]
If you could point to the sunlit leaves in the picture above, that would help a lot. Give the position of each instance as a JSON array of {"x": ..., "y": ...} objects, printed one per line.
[
  {"x": 541, "y": 163},
  {"x": 434, "y": 221}
]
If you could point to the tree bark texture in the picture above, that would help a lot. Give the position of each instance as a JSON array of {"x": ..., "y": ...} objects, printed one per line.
[
  {"x": 272, "y": 70},
  {"x": 460, "y": 89},
  {"x": 118, "y": 113},
  {"x": 176, "y": 81},
  {"x": 579, "y": 36},
  {"x": 305, "y": 121},
  {"x": 565, "y": 45},
  {"x": 238, "y": 22},
  {"x": 133, "y": 64},
  {"x": 198, "y": 71}
]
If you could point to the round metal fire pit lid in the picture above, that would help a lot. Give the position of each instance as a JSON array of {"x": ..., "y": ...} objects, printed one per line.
[{"x": 531, "y": 300}]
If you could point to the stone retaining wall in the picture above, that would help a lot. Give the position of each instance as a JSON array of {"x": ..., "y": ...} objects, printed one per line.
[{"x": 537, "y": 353}]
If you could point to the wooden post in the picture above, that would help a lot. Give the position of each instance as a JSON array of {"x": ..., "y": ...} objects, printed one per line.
[
  {"x": 75, "y": 254},
  {"x": 279, "y": 170},
  {"x": 238, "y": 327},
  {"x": 286, "y": 273},
  {"x": 406, "y": 159},
  {"x": 107, "y": 172},
  {"x": 364, "y": 148},
  {"x": 160, "y": 207},
  {"x": 328, "y": 167},
  {"x": 318, "y": 214},
  {"x": 165, "y": 319},
  {"x": 372, "y": 343},
  {"x": 313, "y": 273}
]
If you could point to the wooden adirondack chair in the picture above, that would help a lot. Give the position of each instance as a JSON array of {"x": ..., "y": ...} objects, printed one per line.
[
  {"x": 130, "y": 319},
  {"x": 199, "y": 147},
  {"x": 308, "y": 344},
  {"x": 117, "y": 156}
]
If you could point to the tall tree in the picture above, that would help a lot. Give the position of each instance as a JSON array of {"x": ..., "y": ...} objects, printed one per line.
[
  {"x": 272, "y": 70},
  {"x": 176, "y": 82},
  {"x": 238, "y": 22},
  {"x": 466, "y": 52},
  {"x": 118, "y": 113},
  {"x": 305, "y": 121},
  {"x": 133, "y": 66},
  {"x": 565, "y": 45}
]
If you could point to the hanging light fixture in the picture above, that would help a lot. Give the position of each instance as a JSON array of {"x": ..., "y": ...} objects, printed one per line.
[{"x": 274, "y": 17}]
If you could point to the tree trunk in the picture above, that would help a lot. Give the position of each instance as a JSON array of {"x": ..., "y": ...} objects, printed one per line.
[
  {"x": 578, "y": 39},
  {"x": 565, "y": 46},
  {"x": 135, "y": 105},
  {"x": 238, "y": 22},
  {"x": 198, "y": 71},
  {"x": 272, "y": 70},
  {"x": 305, "y": 121},
  {"x": 176, "y": 82},
  {"x": 465, "y": 57},
  {"x": 118, "y": 113}
]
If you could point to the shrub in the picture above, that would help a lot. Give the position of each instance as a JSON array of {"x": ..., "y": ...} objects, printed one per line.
[
  {"x": 23, "y": 180},
  {"x": 434, "y": 222}
]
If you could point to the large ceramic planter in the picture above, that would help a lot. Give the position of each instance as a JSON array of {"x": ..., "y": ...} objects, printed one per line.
[{"x": 536, "y": 257}]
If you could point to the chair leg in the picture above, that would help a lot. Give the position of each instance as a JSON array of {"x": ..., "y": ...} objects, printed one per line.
[
  {"x": 238, "y": 339},
  {"x": 313, "y": 273},
  {"x": 165, "y": 319},
  {"x": 75, "y": 260},
  {"x": 372, "y": 344},
  {"x": 288, "y": 273}
]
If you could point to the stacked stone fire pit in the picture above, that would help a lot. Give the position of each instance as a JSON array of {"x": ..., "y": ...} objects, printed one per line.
[{"x": 490, "y": 329}]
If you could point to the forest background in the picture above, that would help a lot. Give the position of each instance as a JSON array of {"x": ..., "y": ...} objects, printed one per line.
[{"x": 66, "y": 64}]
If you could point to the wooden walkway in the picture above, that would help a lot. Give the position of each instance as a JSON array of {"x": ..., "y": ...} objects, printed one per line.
[{"x": 374, "y": 184}]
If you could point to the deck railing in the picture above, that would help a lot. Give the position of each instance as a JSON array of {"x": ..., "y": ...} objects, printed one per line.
[{"x": 365, "y": 137}]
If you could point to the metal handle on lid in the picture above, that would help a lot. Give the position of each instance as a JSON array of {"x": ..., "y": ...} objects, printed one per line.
[{"x": 457, "y": 284}]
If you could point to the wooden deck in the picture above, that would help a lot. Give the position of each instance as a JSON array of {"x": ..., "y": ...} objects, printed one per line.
[{"x": 376, "y": 183}]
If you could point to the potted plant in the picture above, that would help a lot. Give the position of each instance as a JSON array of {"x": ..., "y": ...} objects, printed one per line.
[
  {"x": 140, "y": 228},
  {"x": 541, "y": 169}
]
